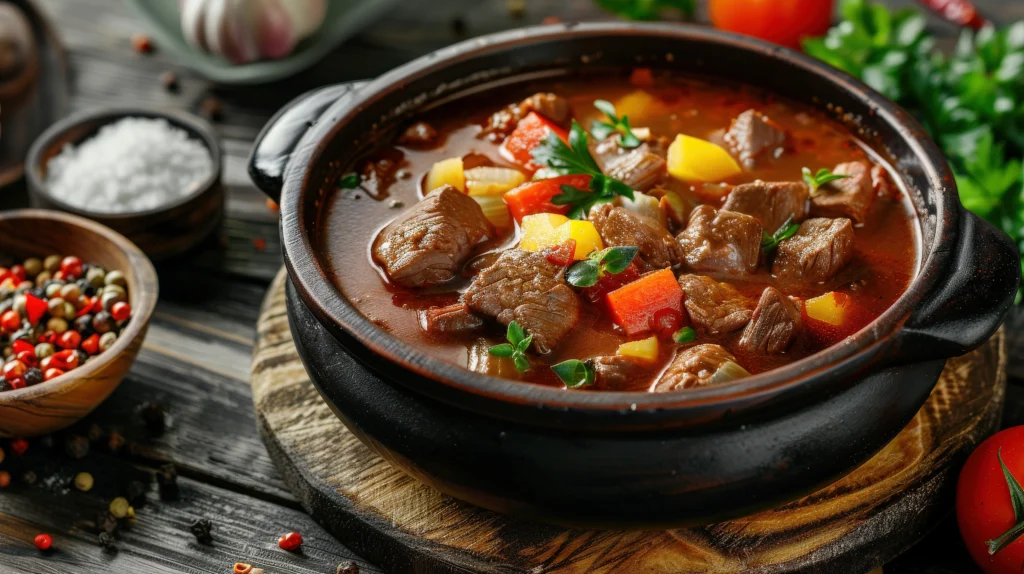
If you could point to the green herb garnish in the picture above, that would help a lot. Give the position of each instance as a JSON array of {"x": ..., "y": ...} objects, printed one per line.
[
  {"x": 575, "y": 159},
  {"x": 350, "y": 181},
  {"x": 770, "y": 242},
  {"x": 575, "y": 373},
  {"x": 684, "y": 335},
  {"x": 516, "y": 347},
  {"x": 648, "y": 9},
  {"x": 602, "y": 130},
  {"x": 816, "y": 180},
  {"x": 613, "y": 260}
]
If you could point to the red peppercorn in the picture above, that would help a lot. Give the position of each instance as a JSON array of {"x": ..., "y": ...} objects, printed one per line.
[
  {"x": 290, "y": 542},
  {"x": 28, "y": 357},
  {"x": 71, "y": 266},
  {"x": 43, "y": 541},
  {"x": 65, "y": 360},
  {"x": 10, "y": 320},
  {"x": 58, "y": 275},
  {"x": 22, "y": 345},
  {"x": 97, "y": 305},
  {"x": 17, "y": 383},
  {"x": 5, "y": 479},
  {"x": 121, "y": 311},
  {"x": 52, "y": 374},
  {"x": 91, "y": 344},
  {"x": 19, "y": 446},
  {"x": 14, "y": 370},
  {"x": 19, "y": 272},
  {"x": 69, "y": 340},
  {"x": 142, "y": 44}
]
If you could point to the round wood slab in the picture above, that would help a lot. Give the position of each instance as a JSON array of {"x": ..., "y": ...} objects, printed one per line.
[{"x": 858, "y": 523}]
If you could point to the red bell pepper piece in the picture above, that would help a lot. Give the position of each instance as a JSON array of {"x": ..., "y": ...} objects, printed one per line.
[
  {"x": 22, "y": 345},
  {"x": 563, "y": 255},
  {"x": 35, "y": 308},
  {"x": 636, "y": 307},
  {"x": 529, "y": 132},
  {"x": 610, "y": 282},
  {"x": 959, "y": 12},
  {"x": 535, "y": 196}
]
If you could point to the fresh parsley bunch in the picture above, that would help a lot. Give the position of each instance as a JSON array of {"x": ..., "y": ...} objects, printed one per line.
[{"x": 971, "y": 101}]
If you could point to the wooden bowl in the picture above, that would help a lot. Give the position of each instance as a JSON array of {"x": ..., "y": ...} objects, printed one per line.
[
  {"x": 59, "y": 402},
  {"x": 162, "y": 232}
]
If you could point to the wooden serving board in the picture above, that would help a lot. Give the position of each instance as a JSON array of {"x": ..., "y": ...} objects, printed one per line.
[{"x": 854, "y": 525}]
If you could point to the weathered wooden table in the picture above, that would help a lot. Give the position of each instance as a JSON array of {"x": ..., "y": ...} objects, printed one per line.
[{"x": 195, "y": 362}]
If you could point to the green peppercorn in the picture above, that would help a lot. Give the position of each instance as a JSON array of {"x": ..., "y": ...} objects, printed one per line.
[
  {"x": 44, "y": 350},
  {"x": 114, "y": 289},
  {"x": 69, "y": 310},
  {"x": 102, "y": 322},
  {"x": 57, "y": 325},
  {"x": 55, "y": 307},
  {"x": 33, "y": 266},
  {"x": 43, "y": 278},
  {"x": 19, "y": 304},
  {"x": 52, "y": 263},
  {"x": 70, "y": 292},
  {"x": 107, "y": 341},
  {"x": 95, "y": 276},
  {"x": 115, "y": 278},
  {"x": 53, "y": 289},
  {"x": 110, "y": 299}
]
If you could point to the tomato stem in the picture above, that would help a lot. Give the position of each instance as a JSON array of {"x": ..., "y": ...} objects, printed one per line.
[
  {"x": 1017, "y": 501},
  {"x": 1006, "y": 539}
]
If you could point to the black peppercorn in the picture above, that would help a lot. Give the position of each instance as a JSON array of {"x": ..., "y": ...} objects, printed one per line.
[
  {"x": 136, "y": 493},
  {"x": 202, "y": 530},
  {"x": 33, "y": 376},
  {"x": 77, "y": 447},
  {"x": 107, "y": 542},
  {"x": 106, "y": 522},
  {"x": 167, "y": 481},
  {"x": 347, "y": 568},
  {"x": 153, "y": 416},
  {"x": 95, "y": 432},
  {"x": 83, "y": 325},
  {"x": 29, "y": 477},
  {"x": 115, "y": 442},
  {"x": 102, "y": 322}
]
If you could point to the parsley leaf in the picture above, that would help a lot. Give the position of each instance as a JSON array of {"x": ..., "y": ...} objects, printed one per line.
[
  {"x": 816, "y": 180},
  {"x": 613, "y": 260},
  {"x": 350, "y": 181},
  {"x": 649, "y": 9},
  {"x": 602, "y": 130},
  {"x": 515, "y": 349},
  {"x": 770, "y": 242},
  {"x": 575, "y": 373}
]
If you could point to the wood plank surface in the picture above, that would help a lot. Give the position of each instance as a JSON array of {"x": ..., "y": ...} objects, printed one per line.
[{"x": 196, "y": 358}]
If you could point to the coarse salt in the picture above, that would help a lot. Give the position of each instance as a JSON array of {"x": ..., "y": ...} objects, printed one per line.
[{"x": 134, "y": 164}]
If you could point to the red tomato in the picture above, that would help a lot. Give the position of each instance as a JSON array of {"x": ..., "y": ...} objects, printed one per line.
[
  {"x": 535, "y": 196},
  {"x": 784, "y": 22},
  {"x": 529, "y": 132},
  {"x": 983, "y": 508}
]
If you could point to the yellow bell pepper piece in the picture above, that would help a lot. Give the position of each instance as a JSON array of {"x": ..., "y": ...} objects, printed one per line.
[
  {"x": 694, "y": 159},
  {"x": 645, "y": 350},
  {"x": 829, "y": 308},
  {"x": 584, "y": 233},
  {"x": 540, "y": 231},
  {"x": 447, "y": 172},
  {"x": 640, "y": 105}
]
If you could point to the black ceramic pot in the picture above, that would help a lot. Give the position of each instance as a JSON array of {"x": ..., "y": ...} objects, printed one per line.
[{"x": 629, "y": 459}]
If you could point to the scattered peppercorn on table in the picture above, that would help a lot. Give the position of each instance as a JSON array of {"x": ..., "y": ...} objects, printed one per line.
[{"x": 169, "y": 474}]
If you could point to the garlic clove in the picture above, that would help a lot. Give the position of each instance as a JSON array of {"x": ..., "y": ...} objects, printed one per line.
[
  {"x": 193, "y": 22},
  {"x": 307, "y": 16},
  {"x": 274, "y": 30}
]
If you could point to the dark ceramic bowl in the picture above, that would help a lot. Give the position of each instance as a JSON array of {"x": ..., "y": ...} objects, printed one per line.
[
  {"x": 162, "y": 232},
  {"x": 629, "y": 459}
]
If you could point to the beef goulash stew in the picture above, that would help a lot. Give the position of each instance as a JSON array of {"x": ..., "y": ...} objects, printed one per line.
[{"x": 649, "y": 233}]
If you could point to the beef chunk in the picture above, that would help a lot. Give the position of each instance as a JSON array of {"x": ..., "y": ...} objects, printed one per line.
[
  {"x": 692, "y": 367},
  {"x": 848, "y": 197},
  {"x": 883, "y": 184},
  {"x": 774, "y": 325},
  {"x": 418, "y": 134},
  {"x": 619, "y": 227},
  {"x": 551, "y": 106},
  {"x": 639, "y": 169},
  {"x": 455, "y": 318},
  {"x": 615, "y": 372},
  {"x": 752, "y": 134},
  {"x": 820, "y": 248},
  {"x": 721, "y": 241},
  {"x": 715, "y": 307},
  {"x": 525, "y": 287},
  {"x": 770, "y": 203},
  {"x": 428, "y": 244}
]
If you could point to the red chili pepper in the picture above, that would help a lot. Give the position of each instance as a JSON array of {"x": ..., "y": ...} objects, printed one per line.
[
  {"x": 43, "y": 541},
  {"x": 52, "y": 373},
  {"x": 959, "y": 12},
  {"x": 28, "y": 357},
  {"x": 71, "y": 266},
  {"x": 64, "y": 360},
  {"x": 97, "y": 305},
  {"x": 14, "y": 370},
  {"x": 562, "y": 255},
  {"x": 17, "y": 383},
  {"x": 19, "y": 272},
  {"x": 290, "y": 542},
  {"x": 21, "y": 345},
  {"x": 69, "y": 340},
  {"x": 19, "y": 446},
  {"x": 91, "y": 344}
]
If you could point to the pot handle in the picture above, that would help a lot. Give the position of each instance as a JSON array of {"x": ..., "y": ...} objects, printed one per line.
[
  {"x": 969, "y": 304},
  {"x": 279, "y": 138}
]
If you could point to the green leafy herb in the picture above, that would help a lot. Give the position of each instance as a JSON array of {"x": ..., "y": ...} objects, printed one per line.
[
  {"x": 648, "y": 9},
  {"x": 972, "y": 101},
  {"x": 575, "y": 159},
  {"x": 515, "y": 349},
  {"x": 1017, "y": 500},
  {"x": 770, "y": 242},
  {"x": 613, "y": 260},
  {"x": 684, "y": 335},
  {"x": 350, "y": 181},
  {"x": 575, "y": 373},
  {"x": 816, "y": 180},
  {"x": 602, "y": 130}
]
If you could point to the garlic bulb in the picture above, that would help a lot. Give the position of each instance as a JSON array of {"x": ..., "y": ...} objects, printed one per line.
[{"x": 244, "y": 31}]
